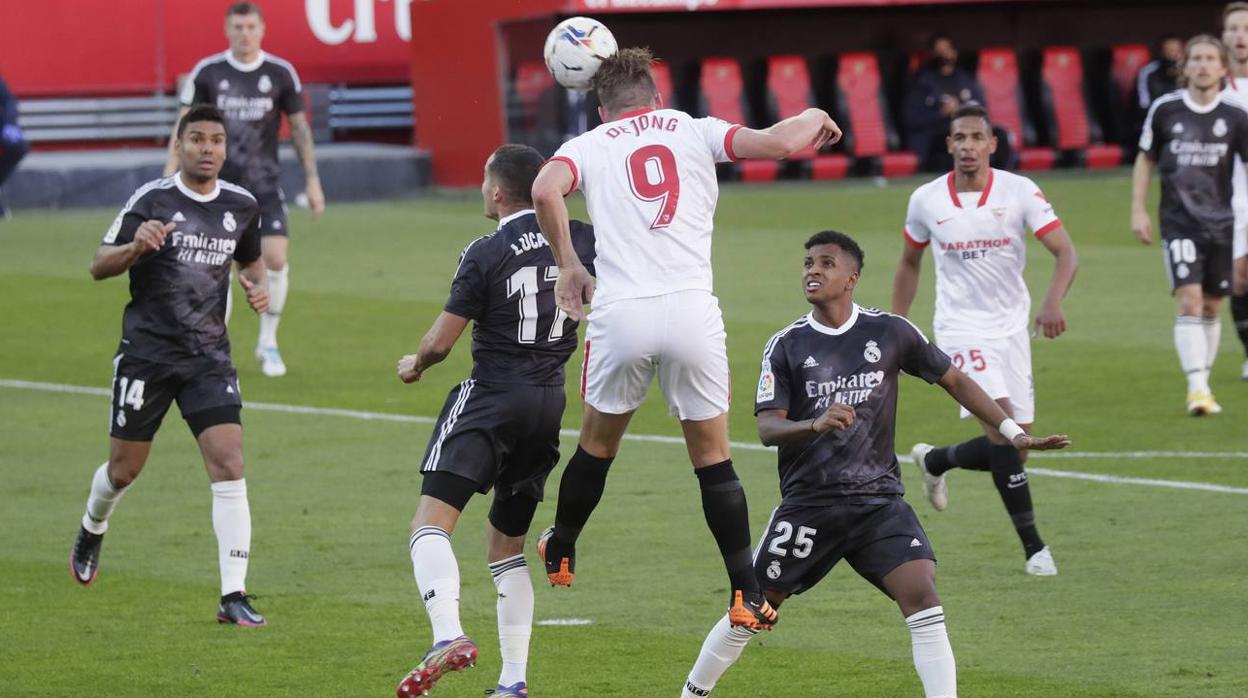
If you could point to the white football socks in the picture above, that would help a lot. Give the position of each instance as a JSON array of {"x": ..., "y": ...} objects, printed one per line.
[
  {"x": 1213, "y": 337},
  {"x": 1192, "y": 346},
  {"x": 437, "y": 578},
  {"x": 279, "y": 283},
  {"x": 933, "y": 657},
  {"x": 515, "y": 616},
  {"x": 231, "y": 520},
  {"x": 721, "y": 649},
  {"x": 101, "y": 502}
]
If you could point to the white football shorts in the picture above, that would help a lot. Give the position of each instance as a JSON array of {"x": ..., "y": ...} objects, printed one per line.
[
  {"x": 1002, "y": 367},
  {"x": 680, "y": 336}
]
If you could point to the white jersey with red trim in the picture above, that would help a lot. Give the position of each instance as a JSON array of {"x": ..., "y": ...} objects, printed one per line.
[
  {"x": 980, "y": 248},
  {"x": 649, "y": 182},
  {"x": 1236, "y": 92}
]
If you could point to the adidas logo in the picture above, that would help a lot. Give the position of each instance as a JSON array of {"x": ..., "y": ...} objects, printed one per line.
[
  {"x": 1177, "y": 128},
  {"x": 179, "y": 218},
  {"x": 810, "y": 362},
  {"x": 914, "y": 543}
]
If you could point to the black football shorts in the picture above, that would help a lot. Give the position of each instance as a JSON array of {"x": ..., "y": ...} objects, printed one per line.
[
  {"x": 207, "y": 394},
  {"x": 501, "y": 436},
  {"x": 1199, "y": 260},
  {"x": 803, "y": 543}
]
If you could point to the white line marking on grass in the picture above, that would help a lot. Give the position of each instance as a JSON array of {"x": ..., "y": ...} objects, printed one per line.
[
  {"x": 566, "y": 621},
  {"x": 744, "y": 446}
]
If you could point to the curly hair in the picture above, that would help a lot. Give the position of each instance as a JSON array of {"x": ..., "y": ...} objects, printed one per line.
[{"x": 624, "y": 80}]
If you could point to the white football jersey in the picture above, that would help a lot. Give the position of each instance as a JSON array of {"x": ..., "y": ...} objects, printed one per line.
[
  {"x": 980, "y": 243},
  {"x": 649, "y": 182},
  {"x": 1236, "y": 92}
]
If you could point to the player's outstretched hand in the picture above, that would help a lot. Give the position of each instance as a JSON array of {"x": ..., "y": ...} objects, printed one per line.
[
  {"x": 1027, "y": 442},
  {"x": 257, "y": 294},
  {"x": 573, "y": 289},
  {"x": 1142, "y": 226},
  {"x": 409, "y": 368},
  {"x": 829, "y": 132},
  {"x": 837, "y": 417},
  {"x": 316, "y": 197},
  {"x": 1050, "y": 321},
  {"x": 150, "y": 236}
]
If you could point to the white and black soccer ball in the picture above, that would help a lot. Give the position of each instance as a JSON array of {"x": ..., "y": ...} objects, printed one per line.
[{"x": 575, "y": 49}]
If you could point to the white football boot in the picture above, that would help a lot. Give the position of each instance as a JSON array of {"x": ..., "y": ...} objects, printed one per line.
[
  {"x": 1041, "y": 564},
  {"x": 933, "y": 485}
]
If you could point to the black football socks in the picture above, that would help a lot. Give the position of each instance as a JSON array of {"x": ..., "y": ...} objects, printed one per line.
[
  {"x": 969, "y": 455},
  {"x": 1239, "y": 313},
  {"x": 723, "y": 503},
  {"x": 1011, "y": 481},
  {"x": 580, "y": 490}
]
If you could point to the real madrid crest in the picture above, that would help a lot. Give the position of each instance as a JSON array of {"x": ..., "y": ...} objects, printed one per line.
[
  {"x": 773, "y": 570},
  {"x": 872, "y": 352},
  {"x": 229, "y": 223},
  {"x": 1219, "y": 127},
  {"x": 265, "y": 83}
]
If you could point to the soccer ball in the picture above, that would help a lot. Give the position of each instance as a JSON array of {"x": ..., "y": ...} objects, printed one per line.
[{"x": 575, "y": 49}]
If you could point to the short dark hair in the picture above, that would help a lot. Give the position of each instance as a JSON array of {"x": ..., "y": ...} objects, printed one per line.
[
  {"x": 200, "y": 112},
  {"x": 841, "y": 240},
  {"x": 514, "y": 167},
  {"x": 970, "y": 109},
  {"x": 244, "y": 8},
  {"x": 624, "y": 80}
]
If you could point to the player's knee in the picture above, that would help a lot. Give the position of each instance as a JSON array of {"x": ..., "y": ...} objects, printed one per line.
[
  {"x": 122, "y": 473},
  {"x": 918, "y": 600},
  {"x": 225, "y": 466}
]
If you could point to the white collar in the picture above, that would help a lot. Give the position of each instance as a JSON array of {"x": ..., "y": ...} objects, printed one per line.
[
  {"x": 824, "y": 329},
  {"x": 507, "y": 219},
  {"x": 194, "y": 195},
  {"x": 1187, "y": 99},
  {"x": 244, "y": 67}
]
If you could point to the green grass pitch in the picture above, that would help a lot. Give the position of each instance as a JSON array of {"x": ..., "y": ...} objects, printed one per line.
[{"x": 1151, "y": 599}]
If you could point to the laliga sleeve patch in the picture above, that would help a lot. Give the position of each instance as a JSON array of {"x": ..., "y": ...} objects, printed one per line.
[{"x": 766, "y": 384}]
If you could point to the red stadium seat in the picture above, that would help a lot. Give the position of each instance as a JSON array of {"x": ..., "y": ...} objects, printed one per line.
[
  {"x": 1061, "y": 78},
  {"x": 860, "y": 105},
  {"x": 788, "y": 94},
  {"x": 998, "y": 74},
  {"x": 1125, "y": 64},
  {"x": 532, "y": 81},
  {"x": 663, "y": 80},
  {"x": 723, "y": 93}
]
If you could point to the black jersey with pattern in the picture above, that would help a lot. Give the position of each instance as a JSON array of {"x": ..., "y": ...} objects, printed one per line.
[
  {"x": 505, "y": 283},
  {"x": 807, "y": 367},
  {"x": 176, "y": 311},
  {"x": 1195, "y": 147},
  {"x": 252, "y": 96}
]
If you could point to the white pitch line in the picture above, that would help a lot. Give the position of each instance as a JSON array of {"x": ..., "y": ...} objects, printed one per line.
[{"x": 740, "y": 445}]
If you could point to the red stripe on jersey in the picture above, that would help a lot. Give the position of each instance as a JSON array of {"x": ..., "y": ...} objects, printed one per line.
[
  {"x": 728, "y": 142},
  {"x": 585, "y": 370},
  {"x": 912, "y": 242},
  {"x": 983, "y": 198},
  {"x": 576, "y": 178},
  {"x": 1057, "y": 223}
]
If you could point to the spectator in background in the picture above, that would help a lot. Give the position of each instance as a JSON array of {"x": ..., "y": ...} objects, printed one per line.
[
  {"x": 1161, "y": 75},
  {"x": 939, "y": 88},
  {"x": 13, "y": 146}
]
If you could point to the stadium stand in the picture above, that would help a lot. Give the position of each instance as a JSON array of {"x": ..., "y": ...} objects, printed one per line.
[
  {"x": 723, "y": 96},
  {"x": 870, "y": 135},
  {"x": 663, "y": 81},
  {"x": 1065, "y": 102},
  {"x": 998, "y": 74},
  {"x": 788, "y": 94}
]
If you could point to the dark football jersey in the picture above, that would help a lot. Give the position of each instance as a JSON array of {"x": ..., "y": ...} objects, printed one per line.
[
  {"x": 506, "y": 284},
  {"x": 176, "y": 311},
  {"x": 807, "y": 367},
  {"x": 1195, "y": 148},
  {"x": 252, "y": 96}
]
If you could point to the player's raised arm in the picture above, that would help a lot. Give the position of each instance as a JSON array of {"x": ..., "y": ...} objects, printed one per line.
[
  {"x": 783, "y": 139},
  {"x": 575, "y": 286},
  {"x": 1141, "y": 223},
  {"x": 435, "y": 346},
  {"x": 968, "y": 394}
]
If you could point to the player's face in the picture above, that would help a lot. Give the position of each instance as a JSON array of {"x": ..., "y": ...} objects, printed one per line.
[
  {"x": 828, "y": 273},
  {"x": 489, "y": 192},
  {"x": 201, "y": 149},
  {"x": 245, "y": 33},
  {"x": 1235, "y": 35},
  {"x": 1204, "y": 69},
  {"x": 944, "y": 51},
  {"x": 971, "y": 144}
]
